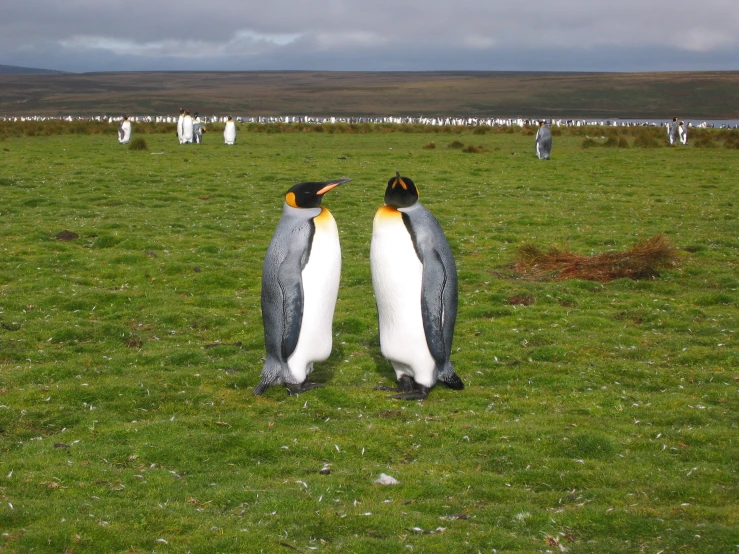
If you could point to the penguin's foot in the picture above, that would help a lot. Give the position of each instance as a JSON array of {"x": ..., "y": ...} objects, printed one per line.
[
  {"x": 451, "y": 380},
  {"x": 419, "y": 393},
  {"x": 295, "y": 389},
  {"x": 409, "y": 389},
  {"x": 405, "y": 384}
]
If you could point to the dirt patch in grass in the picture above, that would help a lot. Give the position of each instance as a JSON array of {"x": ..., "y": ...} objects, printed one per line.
[
  {"x": 521, "y": 300},
  {"x": 66, "y": 235},
  {"x": 643, "y": 261}
]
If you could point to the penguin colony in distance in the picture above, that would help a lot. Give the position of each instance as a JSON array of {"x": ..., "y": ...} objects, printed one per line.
[
  {"x": 543, "y": 141},
  {"x": 415, "y": 281},
  {"x": 300, "y": 284}
]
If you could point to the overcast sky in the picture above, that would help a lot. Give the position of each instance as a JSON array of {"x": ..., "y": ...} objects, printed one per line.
[{"x": 370, "y": 35}]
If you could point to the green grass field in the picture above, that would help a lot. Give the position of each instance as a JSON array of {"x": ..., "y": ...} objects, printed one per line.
[{"x": 596, "y": 418}]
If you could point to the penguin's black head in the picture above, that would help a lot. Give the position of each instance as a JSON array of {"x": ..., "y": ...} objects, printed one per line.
[
  {"x": 309, "y": 195},
  {"x": 401, "y": 192}
]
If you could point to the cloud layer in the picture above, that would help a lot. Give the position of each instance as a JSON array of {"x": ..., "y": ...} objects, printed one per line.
[{"x": 383, "y": 35}]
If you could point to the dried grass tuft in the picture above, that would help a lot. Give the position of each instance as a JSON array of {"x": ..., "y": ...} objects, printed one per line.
[
  {"x": 138, "y": 144},
  {"x": 472, "y": 149},
  {"x": 642, "y": 261}
]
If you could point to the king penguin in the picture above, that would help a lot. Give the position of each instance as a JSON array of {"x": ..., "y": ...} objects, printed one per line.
[
  {"x": 180, "y": 120},
  {"x": 300, "y": 284},
  {"x": 415, "y": 281},
  {"x": 543, "y": 141},
  {"x": 672, "y": 131},
  {"x": 682, "y": 132}
]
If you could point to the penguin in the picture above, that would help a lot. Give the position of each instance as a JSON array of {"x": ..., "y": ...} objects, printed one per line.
[
  {"x": 672, "y": 131},
  {"x": 180, "y": 120},
  {"x": 197, "y": 129},
  {"x": 300, "y": 284},
  {"x": 187, "y": 128},
  {"x": 124, "y": 131},
  {"x": 415, "y": 282},
  {"x": 543, "y": 141},
  {"x": 229, "y": 131},
  {"x": 682, "y": 131}
]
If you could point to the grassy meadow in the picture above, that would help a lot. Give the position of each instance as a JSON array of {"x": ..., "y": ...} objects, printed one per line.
[{"x": 597, "y": 417}]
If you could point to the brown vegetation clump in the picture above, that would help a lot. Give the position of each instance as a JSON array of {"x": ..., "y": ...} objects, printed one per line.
[
  {"x": 645, "y": 140},
  {"x": 642, "y": 261},
  {"x": 429, "y": 145},
  {"x": 588, "y": 143},
  {"x": 704, "y": 142},
  {"x": 138, "y": 144},
  {"x": 472, "y": 149}
]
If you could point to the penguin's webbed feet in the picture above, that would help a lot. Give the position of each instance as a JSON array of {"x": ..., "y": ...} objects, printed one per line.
[
  {"x": 420, "y": 393},
  {"x": 409, "y": 389},
  {"x": 296, "y": 389},
  {"x": 405, "y": 384},
  {"x": 451, "y": 380}
]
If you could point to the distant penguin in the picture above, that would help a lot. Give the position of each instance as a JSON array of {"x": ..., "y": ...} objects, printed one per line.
[
  {"x": 543, "y": 141},
  {"x": 197, "y": 129},
  {"x": 187, "y": 129},
  {"x": 415, "y": 281},
  {"x": 229, "y": 132},
  {"x": 682, "y": 132},
  {"x": 180, "y": 120},
  {"x": 672, "y": 131},
  {"x": 300, "y": 284},
  {"x": 124, "y": 131}
]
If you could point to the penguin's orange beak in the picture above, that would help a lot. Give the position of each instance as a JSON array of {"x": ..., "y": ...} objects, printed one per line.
[
  {"x": 332, "y": 185},
  {"x": 327, "y": 188}
]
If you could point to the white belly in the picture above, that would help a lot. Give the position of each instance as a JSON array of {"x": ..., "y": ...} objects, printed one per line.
[
  {"x": 187, "y": 130},
  {"x": 229, "y": 134},
  {"x": 396, "y": 278},
  {"x": 320, "y": 288}
]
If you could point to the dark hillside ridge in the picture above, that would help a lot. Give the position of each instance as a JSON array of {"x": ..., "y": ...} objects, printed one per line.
[
  {"x": 15, "y": 70},
  {"x": 686, "y": 95}
]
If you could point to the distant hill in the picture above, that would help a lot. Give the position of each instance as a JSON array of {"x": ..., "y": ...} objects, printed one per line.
[
  {"x": 15, "y": 70},
  {"x": 687, "y": 95}
]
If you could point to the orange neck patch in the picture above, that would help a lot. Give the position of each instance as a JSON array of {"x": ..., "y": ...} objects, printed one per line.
[{"x": 387, "y": 212}]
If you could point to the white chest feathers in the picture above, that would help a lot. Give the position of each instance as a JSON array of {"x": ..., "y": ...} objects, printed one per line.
[
  {"x": 320, "y": 278},
  {"x": 397, "y": 278}
]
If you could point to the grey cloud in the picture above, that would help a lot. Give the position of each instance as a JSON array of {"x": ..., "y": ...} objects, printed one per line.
[{"x": 629, "y": 35}]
